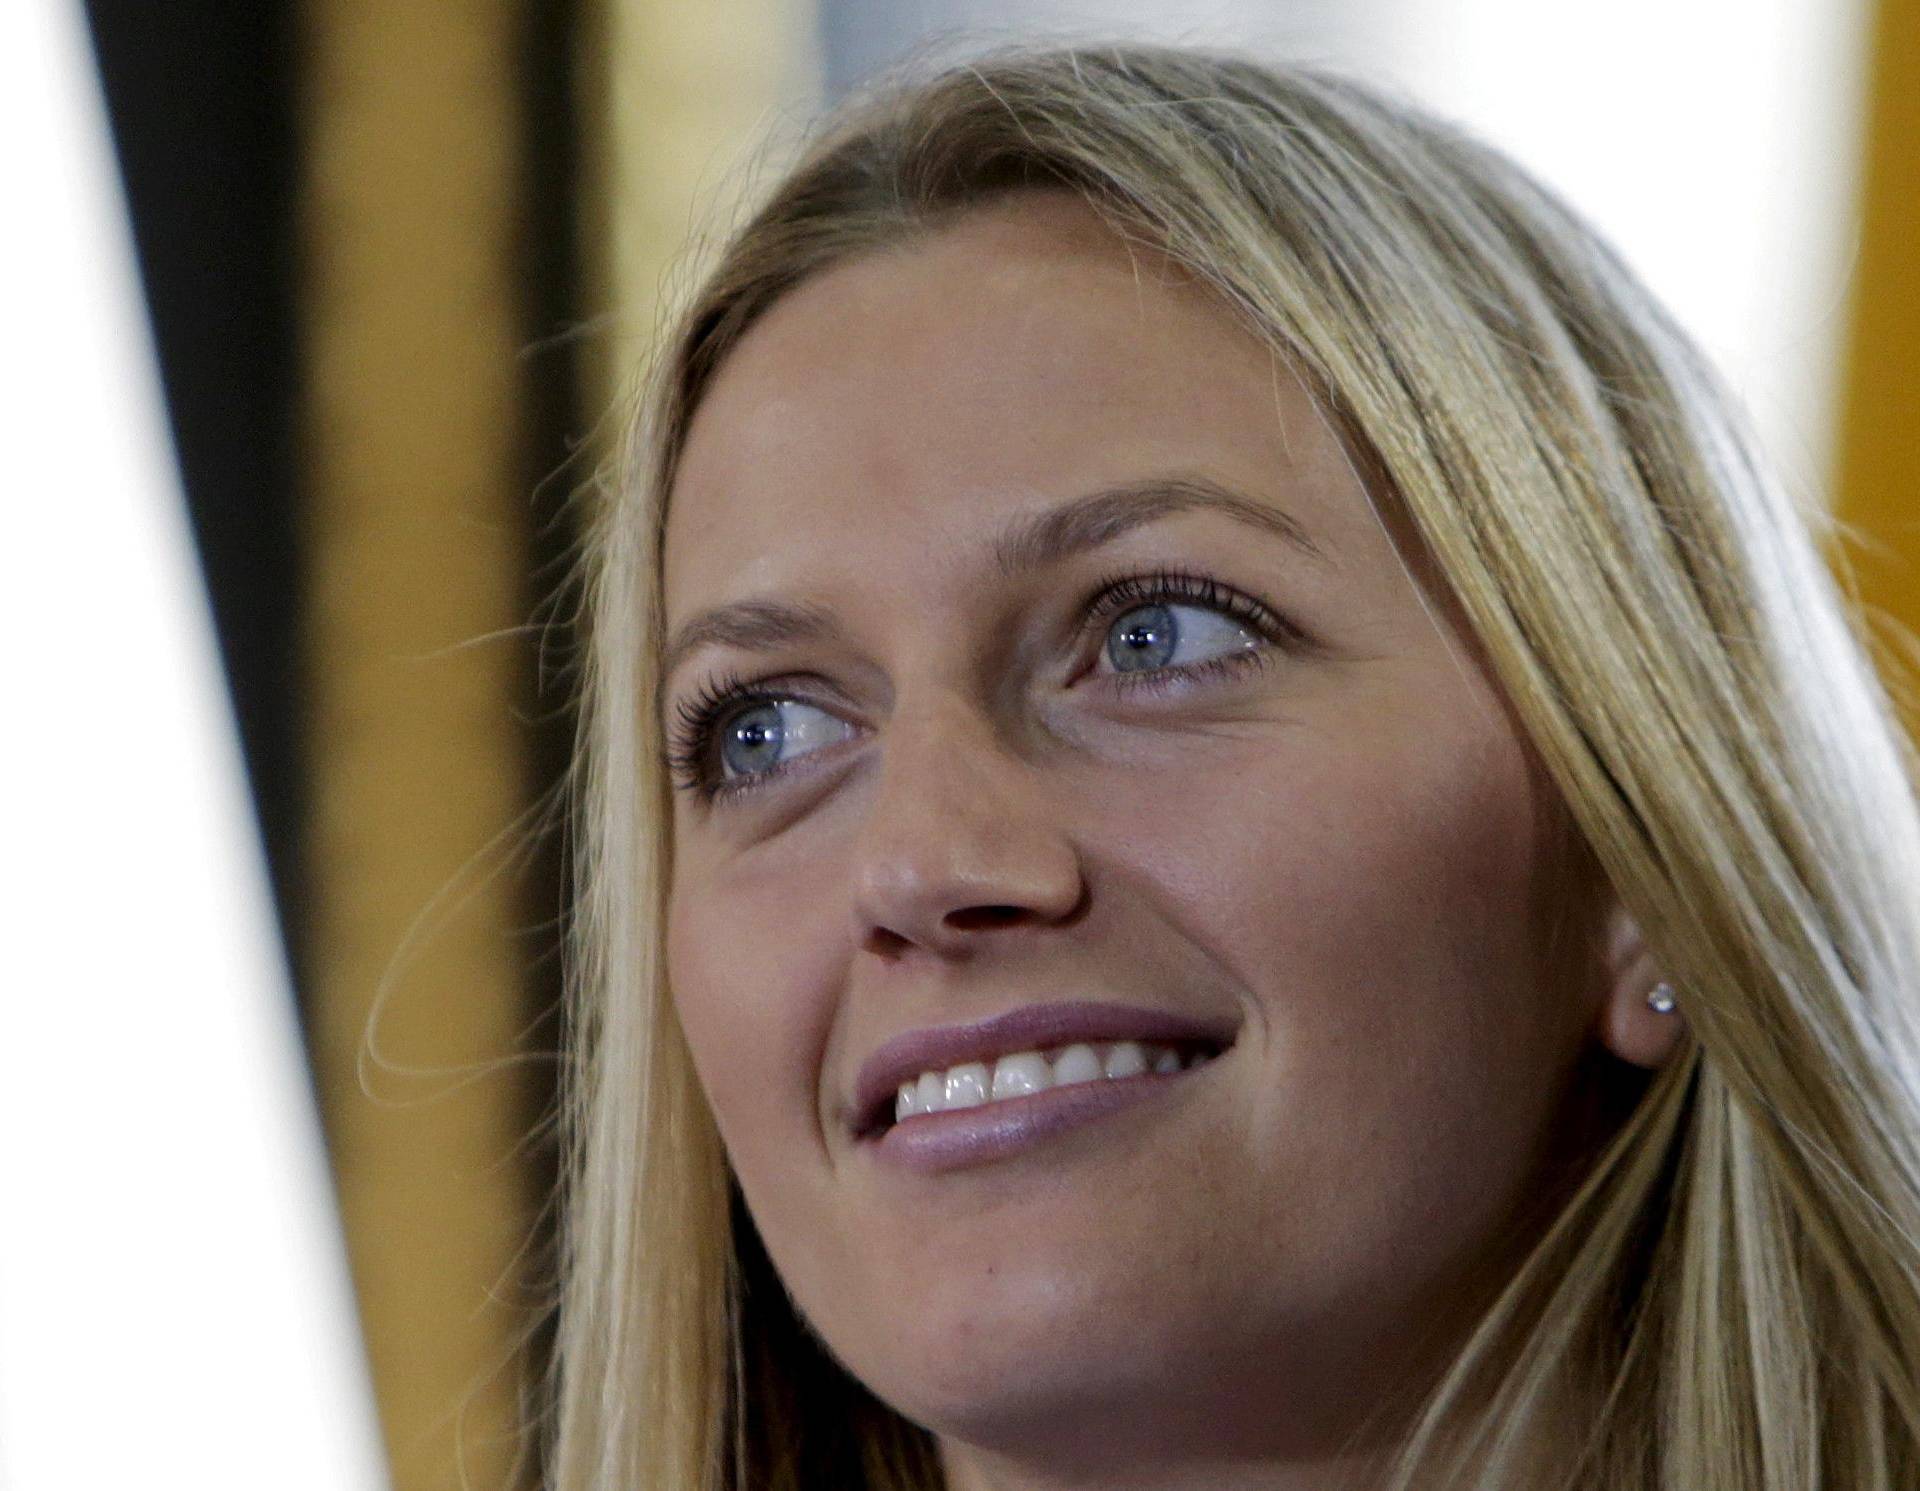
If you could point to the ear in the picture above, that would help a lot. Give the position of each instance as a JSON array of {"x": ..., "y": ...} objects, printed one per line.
[{"x": 1625, "y": 1024}]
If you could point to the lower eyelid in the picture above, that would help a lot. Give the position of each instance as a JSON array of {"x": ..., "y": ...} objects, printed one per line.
[{"x": 1246, "y": 658}]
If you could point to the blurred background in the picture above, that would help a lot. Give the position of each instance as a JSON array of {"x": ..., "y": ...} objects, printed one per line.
[{"x": 402, "y": 258}]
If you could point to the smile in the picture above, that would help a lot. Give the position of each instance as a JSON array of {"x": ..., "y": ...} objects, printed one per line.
[
  {"x": 951, "y": 1097},
  {"x": 977, "y": 1084}
]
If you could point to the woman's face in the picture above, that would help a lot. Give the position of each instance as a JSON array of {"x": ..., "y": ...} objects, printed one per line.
[{"x": 1270, "y": 813}]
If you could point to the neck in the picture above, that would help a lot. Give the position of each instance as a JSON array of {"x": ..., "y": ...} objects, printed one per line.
[{"x": 967, "y": 1468}]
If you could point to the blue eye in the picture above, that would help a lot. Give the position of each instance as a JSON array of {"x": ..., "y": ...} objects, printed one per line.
[
  {"x": 756, "y": 741},
  {"x": 757, "y": 733},
  {"x": 1147, "y": 638}
]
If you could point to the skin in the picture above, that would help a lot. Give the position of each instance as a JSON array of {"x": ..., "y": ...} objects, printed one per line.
[{"x": 1349, "y": 855}]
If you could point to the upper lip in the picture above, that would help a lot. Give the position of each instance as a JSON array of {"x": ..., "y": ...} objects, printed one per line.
[{"x": 1031, "y": 1027}]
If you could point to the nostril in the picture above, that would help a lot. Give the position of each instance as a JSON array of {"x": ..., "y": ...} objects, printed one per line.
[
  {"x": 887, "y": 943},
  {"x": 975, "y": 917}
]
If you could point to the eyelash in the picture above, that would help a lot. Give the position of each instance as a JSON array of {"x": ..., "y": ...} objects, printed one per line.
[{"x": 1114, "y": 596}]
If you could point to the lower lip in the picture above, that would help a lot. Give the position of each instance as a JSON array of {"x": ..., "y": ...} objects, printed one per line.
[{"x": 934, "y": 1142}]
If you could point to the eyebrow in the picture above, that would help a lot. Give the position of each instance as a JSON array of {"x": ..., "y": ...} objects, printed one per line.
[{"x": 1030, "y": 542}]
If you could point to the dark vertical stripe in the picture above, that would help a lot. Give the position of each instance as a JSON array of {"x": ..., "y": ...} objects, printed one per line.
[
  {"x": 556, "y": 467},
  {"x": 203, "y": 105}
]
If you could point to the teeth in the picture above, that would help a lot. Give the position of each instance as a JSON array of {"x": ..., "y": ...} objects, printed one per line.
[
  {"x": 1016, "y": 1076},
  {"x": 1023, "y": 1072},
  {"x": 1077, "y": 1064},
  {"x": 967, "y": 1086},
  {"x": 932, "y": 1092}
]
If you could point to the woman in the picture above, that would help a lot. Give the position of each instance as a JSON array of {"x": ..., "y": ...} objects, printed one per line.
[{"x": 1229, "y": 842}]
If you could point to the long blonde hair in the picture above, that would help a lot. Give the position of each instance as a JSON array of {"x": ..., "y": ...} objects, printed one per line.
[{"x": 1732, "y": 1298}]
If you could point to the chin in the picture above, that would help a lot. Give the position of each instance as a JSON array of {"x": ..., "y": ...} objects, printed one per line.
[
  {"x": 1028, "y": 1369},
  {"x": 1066, "y": 1404}
]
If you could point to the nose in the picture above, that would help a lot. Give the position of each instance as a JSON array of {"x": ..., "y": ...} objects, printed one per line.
[{"x": 960, "y": 838}]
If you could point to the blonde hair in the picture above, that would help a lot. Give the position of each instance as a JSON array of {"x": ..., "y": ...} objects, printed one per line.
[{"x": 1732, "y": 1298}]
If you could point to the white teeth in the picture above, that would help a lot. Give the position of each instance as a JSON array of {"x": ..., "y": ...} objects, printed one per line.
[
  {"x": 1024, "y": 1072},
  {"x": 967, "y": 1085},
  {"x": 1016, "y": 1076},
  {"x": 1077, "y": 1064}
]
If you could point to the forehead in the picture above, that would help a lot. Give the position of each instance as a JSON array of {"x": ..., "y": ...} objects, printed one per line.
[{"x": 894, "y": 410}]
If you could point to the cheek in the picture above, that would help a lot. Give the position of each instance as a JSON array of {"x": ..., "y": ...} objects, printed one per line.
[
  {"x": 754, "y": 961},
  {"x": 1372, "y": 892},
  {"x": 741, "y": 959},
  {"x": 1353, "y": 855}
]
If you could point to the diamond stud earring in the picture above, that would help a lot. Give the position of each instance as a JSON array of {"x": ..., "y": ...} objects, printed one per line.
[{"x": 1660, "y": 1001}]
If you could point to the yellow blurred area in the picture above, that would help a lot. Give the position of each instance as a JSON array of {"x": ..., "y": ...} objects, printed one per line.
[
  {"x": 1877, "y": 460},
  {"x": 432, "y": 932}
]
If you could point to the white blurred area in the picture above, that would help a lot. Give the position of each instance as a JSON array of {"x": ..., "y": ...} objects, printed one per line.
[
  {"x": 174, "y": 1303},
  {"x": 1714, "y": 142}
]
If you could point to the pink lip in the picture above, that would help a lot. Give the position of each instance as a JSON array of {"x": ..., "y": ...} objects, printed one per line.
[
  {"x": 1032, "y": 1027},
  {"x": 934, "y": 1142}
]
